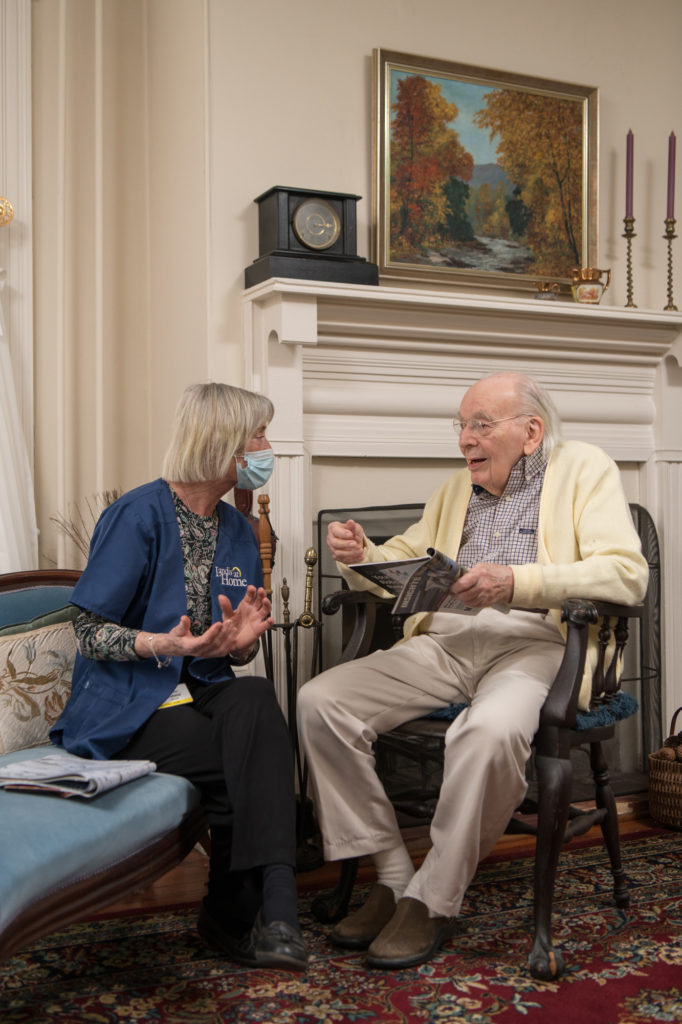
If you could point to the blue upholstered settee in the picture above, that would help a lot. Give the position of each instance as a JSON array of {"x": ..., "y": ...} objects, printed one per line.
[{"x": 61, "y": 860}]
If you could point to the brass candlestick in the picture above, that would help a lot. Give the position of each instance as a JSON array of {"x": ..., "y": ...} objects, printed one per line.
[
  {"x": 629, "y": 234},
  {"x": 670, "y": 234}
]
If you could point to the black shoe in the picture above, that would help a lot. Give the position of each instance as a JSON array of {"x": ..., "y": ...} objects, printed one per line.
[
  {"x": 240, "y": 949},
  {"x": 278, "y": 945}
]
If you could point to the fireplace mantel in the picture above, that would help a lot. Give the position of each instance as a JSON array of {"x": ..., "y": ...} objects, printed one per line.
[
  {"x": 334, "y": 357},
  {"x": 362, "y": 371}
]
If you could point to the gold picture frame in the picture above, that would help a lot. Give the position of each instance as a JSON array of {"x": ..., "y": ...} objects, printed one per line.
[{"x": 483, "y": 179}]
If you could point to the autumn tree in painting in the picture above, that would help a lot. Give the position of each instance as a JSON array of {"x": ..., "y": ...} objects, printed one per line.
[
  {"x": 457, "y": 223},
  {"x": 488, "y": 209},
  {"x": 425, "y": 154},
  {"x": 540, "y": 150}
]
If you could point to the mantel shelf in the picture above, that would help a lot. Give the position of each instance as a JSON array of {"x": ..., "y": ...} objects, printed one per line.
[
  {"x": 426, "y": 299},
  {"x": 337, "y": 313}
]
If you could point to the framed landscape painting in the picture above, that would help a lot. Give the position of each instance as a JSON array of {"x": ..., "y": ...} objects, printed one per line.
[{"x": 482, "y": 178}]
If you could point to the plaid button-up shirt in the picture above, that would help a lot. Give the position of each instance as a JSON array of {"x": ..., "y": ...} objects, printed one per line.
[{"x": 504, "y": 529}]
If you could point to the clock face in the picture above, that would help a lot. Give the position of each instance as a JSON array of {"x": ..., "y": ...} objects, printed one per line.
[{"x": 316, "y": 223}]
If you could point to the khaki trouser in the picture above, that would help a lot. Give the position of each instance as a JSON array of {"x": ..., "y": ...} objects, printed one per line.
[{"x": 502, "y": 666}]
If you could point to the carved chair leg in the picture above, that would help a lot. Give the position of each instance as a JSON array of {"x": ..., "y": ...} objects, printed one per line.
[
  {"x": 604, "y": 798},
  {"x": 554, "y": 794},
  {"x": 332, "y": 906}
]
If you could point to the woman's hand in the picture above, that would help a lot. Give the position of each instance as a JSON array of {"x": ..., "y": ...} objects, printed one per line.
[
  {"x": 235, "y": 634},
  {"x": 346, "y": 541}
]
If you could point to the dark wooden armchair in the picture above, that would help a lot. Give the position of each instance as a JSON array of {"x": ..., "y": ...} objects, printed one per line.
[{"x": 551, "y": 816}]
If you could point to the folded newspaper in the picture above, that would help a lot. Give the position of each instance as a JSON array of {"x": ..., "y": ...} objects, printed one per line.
[
  {"x": 68, "y": 775},
  {"x": 421, "y": 584}
]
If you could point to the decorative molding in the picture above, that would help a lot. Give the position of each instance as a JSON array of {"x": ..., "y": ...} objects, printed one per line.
[
  {"x": 64, "y": 422},
  {"x": 335, "y": 358},
  {"x": 101, "y": 383},
  {"x": 16, "y": 239}
]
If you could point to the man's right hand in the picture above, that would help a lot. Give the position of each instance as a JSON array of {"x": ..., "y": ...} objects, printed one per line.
[{"x": 345, "y": 541}]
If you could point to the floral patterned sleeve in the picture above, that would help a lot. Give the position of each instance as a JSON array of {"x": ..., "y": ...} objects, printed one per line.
[
  {"x": 101, "y": 640},
  {"x": 104, "y": 641}
]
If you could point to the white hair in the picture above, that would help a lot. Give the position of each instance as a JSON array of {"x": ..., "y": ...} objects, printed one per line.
[{"x": 535, "y": 401}]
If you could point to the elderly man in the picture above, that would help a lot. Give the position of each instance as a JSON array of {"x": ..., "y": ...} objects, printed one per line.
[{"x": 534, "y": 521}]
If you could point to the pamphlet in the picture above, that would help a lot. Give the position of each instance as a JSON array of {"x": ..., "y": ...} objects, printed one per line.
[
  {"x": 68, "y": 775},
  {"x": 420, "y": 584}
]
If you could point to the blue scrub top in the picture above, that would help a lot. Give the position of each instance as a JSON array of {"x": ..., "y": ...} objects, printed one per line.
[{"x": 135, "y": 578}]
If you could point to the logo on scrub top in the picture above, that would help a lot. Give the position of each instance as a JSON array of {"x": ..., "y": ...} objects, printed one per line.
[{"x": 231, "y": 577}]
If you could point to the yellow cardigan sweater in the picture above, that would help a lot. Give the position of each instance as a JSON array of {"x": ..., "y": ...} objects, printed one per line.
[{"x": 587, "y": 543}]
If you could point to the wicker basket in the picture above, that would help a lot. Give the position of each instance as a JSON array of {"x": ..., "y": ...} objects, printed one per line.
[{"x": 665, "y": 788}]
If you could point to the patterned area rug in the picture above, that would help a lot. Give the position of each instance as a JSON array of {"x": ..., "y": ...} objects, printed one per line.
[{"x": 622, "y": 967}]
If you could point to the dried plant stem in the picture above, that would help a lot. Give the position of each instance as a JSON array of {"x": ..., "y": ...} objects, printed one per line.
[{"x": 78, "y": 523}]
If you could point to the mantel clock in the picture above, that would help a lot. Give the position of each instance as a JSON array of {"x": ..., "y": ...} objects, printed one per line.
[{"x": 308, "y": 234}]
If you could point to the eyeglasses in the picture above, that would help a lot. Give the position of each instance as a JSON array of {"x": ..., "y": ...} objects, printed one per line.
[{"x": 481, "y": 428}]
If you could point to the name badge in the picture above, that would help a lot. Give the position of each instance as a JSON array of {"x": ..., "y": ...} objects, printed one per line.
[{"x": 180, "y": 695}]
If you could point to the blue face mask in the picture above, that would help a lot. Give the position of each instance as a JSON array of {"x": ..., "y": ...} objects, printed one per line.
[{"x": 257, "y": 471}]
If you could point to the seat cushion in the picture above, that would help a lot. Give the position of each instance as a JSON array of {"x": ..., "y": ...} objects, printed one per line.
[
  {"x": 47, "y": 841},
  {"x": 621, "y": 706}
]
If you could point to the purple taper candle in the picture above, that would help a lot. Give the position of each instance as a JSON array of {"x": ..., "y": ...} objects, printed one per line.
[
  {"x": 629, "y": 147},
  {"x": 671, "y": 176}
]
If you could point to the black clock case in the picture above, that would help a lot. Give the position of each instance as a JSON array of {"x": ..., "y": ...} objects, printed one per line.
[{"x": 283, "y": 255}]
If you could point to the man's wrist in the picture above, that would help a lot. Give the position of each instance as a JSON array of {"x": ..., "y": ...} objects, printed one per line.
[{"x": 511, "y": 584}]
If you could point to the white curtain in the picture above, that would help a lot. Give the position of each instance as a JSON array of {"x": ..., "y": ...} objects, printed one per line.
[{"x": 18, "y": 529}]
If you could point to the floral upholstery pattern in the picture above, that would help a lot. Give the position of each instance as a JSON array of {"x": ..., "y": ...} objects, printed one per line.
[{"x": 35, "y": 681}]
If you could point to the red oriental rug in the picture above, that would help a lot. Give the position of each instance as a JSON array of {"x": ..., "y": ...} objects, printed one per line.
[{"x": 622, "y": 967}]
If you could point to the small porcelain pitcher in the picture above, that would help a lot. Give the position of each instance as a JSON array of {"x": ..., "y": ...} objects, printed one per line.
[{"x": 587, "y": 284}]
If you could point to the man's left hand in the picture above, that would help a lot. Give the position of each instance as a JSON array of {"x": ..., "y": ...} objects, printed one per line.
[{"x": 484, "y": 585}]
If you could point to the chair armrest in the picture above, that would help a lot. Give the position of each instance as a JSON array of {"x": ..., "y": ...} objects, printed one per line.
[
  {"x": 561, "y": 705},
  {"x": 622, "y": 611},
  {"x": 348, "y": 598},
  {"x": 364, "y": 605}
]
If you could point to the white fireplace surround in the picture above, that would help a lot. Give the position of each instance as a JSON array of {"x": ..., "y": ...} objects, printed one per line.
[{"x": 361, "y": 371}]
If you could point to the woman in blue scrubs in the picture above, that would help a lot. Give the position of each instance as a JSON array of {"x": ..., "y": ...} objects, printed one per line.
[{"x": 171, "y": 599}]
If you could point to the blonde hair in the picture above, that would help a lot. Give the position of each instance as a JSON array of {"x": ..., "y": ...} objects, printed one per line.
[{"x": 212, "y": 423}]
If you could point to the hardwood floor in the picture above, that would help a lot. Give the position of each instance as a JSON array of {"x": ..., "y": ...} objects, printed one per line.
[{"x": 187, "y": 882}]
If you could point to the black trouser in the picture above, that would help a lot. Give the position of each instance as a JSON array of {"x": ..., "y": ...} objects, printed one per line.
[{"x": 232, "y": 742}]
